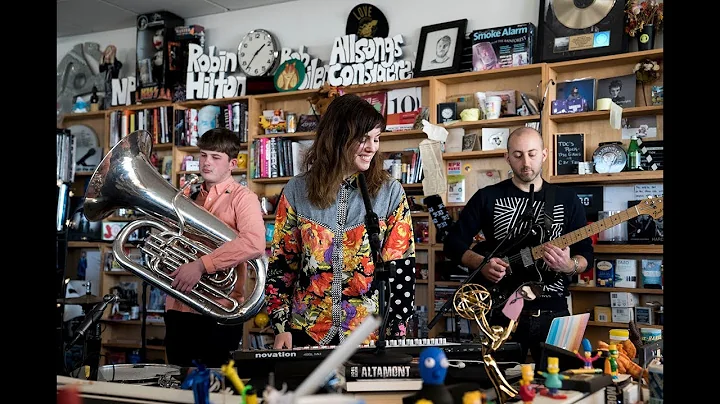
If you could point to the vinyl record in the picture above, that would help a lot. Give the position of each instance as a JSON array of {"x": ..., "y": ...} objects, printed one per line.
[
  {"x": 367, "y": 21},
  {"x": 576, "y": 17}
]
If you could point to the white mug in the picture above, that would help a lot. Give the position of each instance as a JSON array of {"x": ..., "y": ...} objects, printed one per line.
[{"x": 494, "y": 105}]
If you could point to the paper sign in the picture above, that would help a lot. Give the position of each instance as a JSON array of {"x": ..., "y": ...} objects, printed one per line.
[{"x": 615, "y": 116}]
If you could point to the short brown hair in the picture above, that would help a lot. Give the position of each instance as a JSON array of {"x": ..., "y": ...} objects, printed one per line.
[{"x": 221, "y": 140}]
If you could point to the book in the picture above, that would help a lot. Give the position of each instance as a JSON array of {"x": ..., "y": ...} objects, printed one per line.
[
  {"x": 383, "y": 385},
  {"x": 353, "y": 371}
]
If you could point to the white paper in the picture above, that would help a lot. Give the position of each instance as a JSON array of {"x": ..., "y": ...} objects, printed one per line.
[
  {"x": 454, "y": 141},
  {"x": 433, "y": 167},
  {"x": 642, "y": 191},
  {"x": 615, "y": 116},
  {"x": 434, "y": 132}
]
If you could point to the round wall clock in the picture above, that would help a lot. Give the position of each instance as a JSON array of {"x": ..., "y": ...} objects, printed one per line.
[{"x": 258, "y": 53}]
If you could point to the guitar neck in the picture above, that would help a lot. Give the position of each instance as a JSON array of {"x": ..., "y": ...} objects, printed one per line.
[{"x": 587, "y": 231}]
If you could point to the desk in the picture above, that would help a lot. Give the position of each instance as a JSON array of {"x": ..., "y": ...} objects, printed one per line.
[{"x": 396, "y": 398}]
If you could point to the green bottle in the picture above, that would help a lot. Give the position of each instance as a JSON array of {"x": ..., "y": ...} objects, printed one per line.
[{"x": 633, "y": 152}]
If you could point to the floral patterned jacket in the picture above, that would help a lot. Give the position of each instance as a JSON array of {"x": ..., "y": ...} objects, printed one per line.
[{"x": 320, "y": 274}]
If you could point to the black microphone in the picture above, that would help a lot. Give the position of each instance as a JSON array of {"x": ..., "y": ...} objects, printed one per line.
[
  {"x": 92, "y": 317},
  {"x": 372, "y": 222},
  {"x": 528, "y": 215},
  {"x": 90, "y": 153}
]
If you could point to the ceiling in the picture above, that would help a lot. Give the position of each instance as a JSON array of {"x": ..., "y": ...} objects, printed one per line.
[{"x": 76, "y": 17}]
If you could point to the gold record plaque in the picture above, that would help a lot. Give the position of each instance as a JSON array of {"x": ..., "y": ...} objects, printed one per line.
[
  {"x": 573, "y": 29},
  {"x": 572, "y": 14}
]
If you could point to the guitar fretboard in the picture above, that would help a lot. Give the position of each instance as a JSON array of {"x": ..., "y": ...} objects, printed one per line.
[{"x": 587, "y": 231}]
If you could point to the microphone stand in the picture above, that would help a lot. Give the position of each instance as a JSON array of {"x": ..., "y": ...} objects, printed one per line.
[{"x": 382, "y": 278}]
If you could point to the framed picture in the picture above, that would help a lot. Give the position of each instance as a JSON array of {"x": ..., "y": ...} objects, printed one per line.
[
  {"x": 440, "y": 48},
  {"x": 620, "y": 89},
  {"x": 574, "y": 90},
  {"x": 567, "y": 31}
]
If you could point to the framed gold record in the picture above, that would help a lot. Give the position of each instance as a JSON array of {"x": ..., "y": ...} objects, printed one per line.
[
  {"x": 572, "y": 16},
  {"x": 575, "y": 29}
]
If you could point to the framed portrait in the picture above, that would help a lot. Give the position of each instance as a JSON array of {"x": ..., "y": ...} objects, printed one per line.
[
  {"x": 620, "y": 89},
  {"x": 440, "y": 48},
  {"x": 574, "y": 90}
]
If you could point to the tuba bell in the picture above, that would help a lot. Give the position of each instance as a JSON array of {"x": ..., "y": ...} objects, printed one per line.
[{"x": 180, "y": 231}]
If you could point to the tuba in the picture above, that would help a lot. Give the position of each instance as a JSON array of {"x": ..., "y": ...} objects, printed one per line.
[{"x": 180, "y": 231}]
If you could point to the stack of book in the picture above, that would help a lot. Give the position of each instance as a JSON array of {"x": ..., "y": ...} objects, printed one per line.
[{"x": 359, "y": 377}]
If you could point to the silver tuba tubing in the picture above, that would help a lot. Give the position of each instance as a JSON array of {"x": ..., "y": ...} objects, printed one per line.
[{"x": 125, "y": 178}]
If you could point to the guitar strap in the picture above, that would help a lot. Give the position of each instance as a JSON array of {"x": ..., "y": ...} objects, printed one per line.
[{"x": 549, "y": 205}]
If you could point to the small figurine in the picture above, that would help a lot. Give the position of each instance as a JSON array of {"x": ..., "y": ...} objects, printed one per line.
[
  {"x": 527, "y": 390},
  {"x": 199, "y": 381},
  {"x": 231, "y": 374},
  {"x": 433, "y": 368},
  {"x": 611, "y": 363},
  {"x": 553, "y": 379},
  {"x": 587, "y": 358}
]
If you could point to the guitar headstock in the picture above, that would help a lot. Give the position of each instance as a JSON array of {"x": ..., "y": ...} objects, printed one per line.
[{"x": 652, "y": 205}]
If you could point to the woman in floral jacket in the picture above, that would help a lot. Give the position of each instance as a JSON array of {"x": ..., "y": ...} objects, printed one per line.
[{"x": 320, "y": 276}]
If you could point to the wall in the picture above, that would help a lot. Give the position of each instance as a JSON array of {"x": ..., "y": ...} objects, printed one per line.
[{"x": 315, "y": 23}]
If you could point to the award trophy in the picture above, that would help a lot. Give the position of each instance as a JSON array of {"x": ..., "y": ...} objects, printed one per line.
[{"x": 473, "y": 302}]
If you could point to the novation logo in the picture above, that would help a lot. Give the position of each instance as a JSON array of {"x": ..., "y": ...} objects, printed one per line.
[
  {"x": 497, "y": 33},
  {"x": 264, "y": 355}
]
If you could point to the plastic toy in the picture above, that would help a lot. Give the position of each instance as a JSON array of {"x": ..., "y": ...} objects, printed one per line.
[
  {"x": 611, "y": 363},
  {"x": 587, "y": 358},
  {"x": 433, "y": 366},
  {"x": 199, "y": 381},
  {"x": 553, "y": 379},
  {"x": 231, "y": 374},
  {"x": 527, "y": 389}
]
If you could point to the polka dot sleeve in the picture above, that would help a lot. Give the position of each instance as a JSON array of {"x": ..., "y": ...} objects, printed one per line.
[{"x": 399, "y": 249}]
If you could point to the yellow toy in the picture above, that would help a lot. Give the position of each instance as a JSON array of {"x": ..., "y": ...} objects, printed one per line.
[
  {"x": 553, "y": 380},
  {"x": 611, "y": 363},
  {"x": 230, "y": 373},
  {"x": 261, "y": 319},
  {"x": 527, "y": 390},
  {"x": 473, "y": 397}
]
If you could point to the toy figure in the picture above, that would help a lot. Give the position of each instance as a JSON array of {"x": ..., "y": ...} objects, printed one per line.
[
  {"x": 611, "y": 363},
  {"x": 111, "y": 66},
  {"x": 553, "y": 379},
  {"x": 158, "y": 42},
  {"x": 586, "y": 358},
  {"x": 433, "y": 368},
  {"x": 199, "y": 381},
  {"x": 527, "y": 390},
  {"x": 231, "y": 374}
]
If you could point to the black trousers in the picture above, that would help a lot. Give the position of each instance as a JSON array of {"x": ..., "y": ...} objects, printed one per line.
[
  {"x": 532, "y": 329},
  {"x": 190, "y": 336}
]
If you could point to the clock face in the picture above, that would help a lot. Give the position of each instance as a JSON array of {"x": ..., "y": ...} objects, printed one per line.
[
  {"x": 447, "y": 113},
  {"x": 257, "y": 53}
]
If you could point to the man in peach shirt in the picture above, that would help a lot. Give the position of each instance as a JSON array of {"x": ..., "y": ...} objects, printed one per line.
[{"x": 188, "y": 334}]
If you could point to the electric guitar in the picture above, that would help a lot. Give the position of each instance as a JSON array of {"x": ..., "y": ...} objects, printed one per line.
[{"x": 527, "y": 265}]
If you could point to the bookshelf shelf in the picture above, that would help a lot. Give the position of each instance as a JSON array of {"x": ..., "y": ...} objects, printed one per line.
[
  {"x": 403, "y": 135},
  {"x": 295, "y": 136},
  {"x": 477, "y": 154},
  {"x": 628, "y": 248},
  {"x": 494, "y": 123},
  {"x": 600, "y": 115},
  {"x": 621, "y": 325},
  {"x": 276, "y": 180},
  {"x": 600, "y": 289},
  {"x": 624, "y": 177}
]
